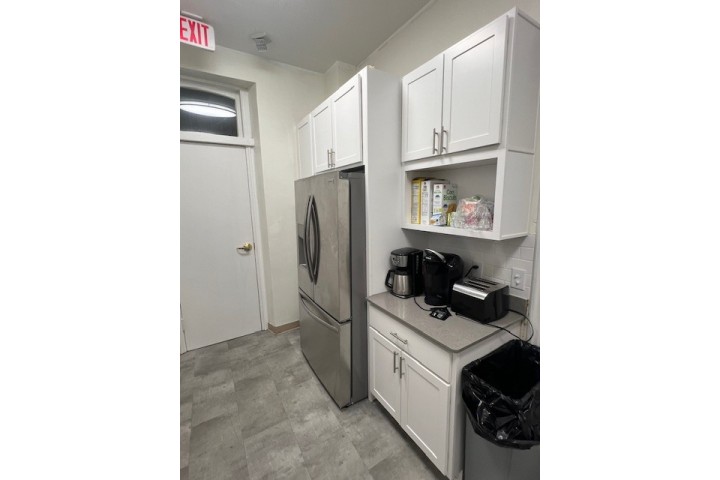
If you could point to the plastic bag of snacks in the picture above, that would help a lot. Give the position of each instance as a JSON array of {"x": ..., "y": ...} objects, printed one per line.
[{"x": 474, "y": 213}]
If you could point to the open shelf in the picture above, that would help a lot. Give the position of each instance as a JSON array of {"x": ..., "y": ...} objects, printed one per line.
[
  {"x": 499, "y": 175},
  {"x": 460, "y": 232}
]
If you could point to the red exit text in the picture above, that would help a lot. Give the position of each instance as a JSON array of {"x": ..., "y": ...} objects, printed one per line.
[{"x": 196, "y": 33}]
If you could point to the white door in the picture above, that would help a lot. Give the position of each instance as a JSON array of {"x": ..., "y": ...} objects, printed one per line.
[
  {"x": 473, "y": 89},
  {"x": 346, "y": 124},
  {"x": 425, "y": 407},
  {"x": 322, "y": 137},
  {"x": 218, "y": 280},
  {"x": 384, "y": 375},
  {"x": 304, "y": 145},
  {"x": 422, "y": 110}
]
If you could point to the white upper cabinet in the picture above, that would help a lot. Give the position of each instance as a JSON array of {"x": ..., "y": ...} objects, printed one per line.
[
  {"x": 473, "y": 90},
  {"x": 458, "y": 101},
  {"x": 488, "y": 100},
  {"x": 304, "y": 145},
  {"x": 336, "y": 126},
  {"x": 346, "y": 124},
  {"x": 322, "y": 143},
  {"x": 422, "y": 110}
]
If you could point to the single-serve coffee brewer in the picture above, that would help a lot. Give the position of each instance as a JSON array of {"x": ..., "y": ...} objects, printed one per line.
[
  {"x": 441, "y": 271},
  {"x": 405, "y": 279}
]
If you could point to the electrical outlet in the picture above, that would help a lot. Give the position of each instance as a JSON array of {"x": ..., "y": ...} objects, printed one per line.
[{"x": 517, "y": 279}]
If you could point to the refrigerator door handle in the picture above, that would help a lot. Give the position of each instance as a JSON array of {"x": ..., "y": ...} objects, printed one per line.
[
  {"x": 320, "y": 320},
  {"x": 307, "y": 239},
  {"x": 316, "y": 239}
]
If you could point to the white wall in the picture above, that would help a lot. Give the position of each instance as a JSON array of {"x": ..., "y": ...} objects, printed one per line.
[
  {"x": 437, "y": 28},
  {"x": 337, "y": 75},
  {"x": 283, "y": 94}
]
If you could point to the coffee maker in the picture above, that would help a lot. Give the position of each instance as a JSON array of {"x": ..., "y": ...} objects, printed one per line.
[
  {"x": 405, "y": 279},
  {"x": 441, "y": 271}
]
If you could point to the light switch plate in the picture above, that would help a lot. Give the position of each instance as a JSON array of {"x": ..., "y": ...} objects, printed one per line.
[{"x": 517, "y": 279}]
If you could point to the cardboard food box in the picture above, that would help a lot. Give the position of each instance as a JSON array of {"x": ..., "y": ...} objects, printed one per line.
[
  {"x": 444, "y": 203},
  {"x": 426, "y": 199},
  {"x": 415, "y": 200}
]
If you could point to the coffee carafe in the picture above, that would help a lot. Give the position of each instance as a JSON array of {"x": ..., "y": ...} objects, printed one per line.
[
  {"x": 441, "y": 271},
  {"x": 405, "y": 278}
]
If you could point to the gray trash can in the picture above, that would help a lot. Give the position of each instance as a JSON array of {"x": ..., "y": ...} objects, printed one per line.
[
  {"x": 486, "y": 461},
  {"x": 501, "y": 393}
]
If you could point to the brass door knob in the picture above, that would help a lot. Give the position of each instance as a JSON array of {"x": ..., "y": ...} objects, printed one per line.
[{"x": 246, "y": 247}]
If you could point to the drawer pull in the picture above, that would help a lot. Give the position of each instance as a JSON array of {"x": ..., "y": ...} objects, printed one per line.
[{"x": 396, "y": 336}]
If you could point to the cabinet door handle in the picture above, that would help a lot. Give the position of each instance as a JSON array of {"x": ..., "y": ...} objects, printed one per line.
[
  {"x": 396, "y": 336},
  {"x": 401, "y": 370},
  {"x": 395, "y": 354},
  {"x": 435, "y": 137},
  {"x": 443, "y": 136},
  {"x": 332, "y": 157},
  {"x": 328, "y": 158}
]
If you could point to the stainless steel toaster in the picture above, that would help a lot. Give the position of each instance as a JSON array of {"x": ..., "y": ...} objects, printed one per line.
[{"x": 480, "y": 299}]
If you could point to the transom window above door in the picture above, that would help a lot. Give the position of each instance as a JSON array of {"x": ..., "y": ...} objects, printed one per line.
[
  {"x": 212, "y": 113},
  {"x": 202, "y": 111}
]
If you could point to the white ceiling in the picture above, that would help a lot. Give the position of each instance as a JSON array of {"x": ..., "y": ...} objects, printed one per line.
[{"x": 311, "y": 34}]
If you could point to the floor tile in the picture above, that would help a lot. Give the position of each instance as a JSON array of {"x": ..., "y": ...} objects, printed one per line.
[
  {"x": 184, "y": 445},
  {"x": 252, "y": 408},
  {"x": 293, "y": 375},
  {"x": 257, "y": 415},
  {"x": 333, "y": 458},
  {"x": 186, "y": 402},
  {"x": 314, "y": 426},
  {"x": 375, "y": 437},
  {"x": 274, "y": 453},
  {"x": 406, "y": 463},
  {"x": 214, "y": 401},
  {"x": 217, "y": 451}
]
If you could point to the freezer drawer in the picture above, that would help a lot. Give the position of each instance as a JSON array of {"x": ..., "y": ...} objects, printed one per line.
[{"x": 326, "y": 346}]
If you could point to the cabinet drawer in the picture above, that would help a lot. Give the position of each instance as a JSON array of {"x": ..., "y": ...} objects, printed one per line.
[{"x": 427, "y": 353}]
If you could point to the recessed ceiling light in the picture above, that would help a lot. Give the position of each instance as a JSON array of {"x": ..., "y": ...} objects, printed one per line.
[{"x": 206, "y": 109}]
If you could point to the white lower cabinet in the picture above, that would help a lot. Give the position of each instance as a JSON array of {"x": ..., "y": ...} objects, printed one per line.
[
  {"x": 420, "y": 384},
  {"x": 383, "y": 373},
  {"x": 425, "y": 410},
  {"x": 416, "y": 398}
]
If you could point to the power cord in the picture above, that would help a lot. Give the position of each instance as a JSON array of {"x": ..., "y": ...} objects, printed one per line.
[
  {"x": 421, "y": 308},
  {"x": 508, "y": 331},
  {"x": 532, "y": 334},
  {"x": 440, "y": 313},
  {"x": 470, "y": 270}
]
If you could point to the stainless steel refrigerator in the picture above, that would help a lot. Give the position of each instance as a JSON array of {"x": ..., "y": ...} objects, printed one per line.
[{"x": 330, "y": 213}]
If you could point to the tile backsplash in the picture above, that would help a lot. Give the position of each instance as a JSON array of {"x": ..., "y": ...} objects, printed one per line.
[{"x": 495, "y": 258}]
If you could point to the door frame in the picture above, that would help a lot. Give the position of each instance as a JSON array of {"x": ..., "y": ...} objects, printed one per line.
[{"x": 245, "y": 141}]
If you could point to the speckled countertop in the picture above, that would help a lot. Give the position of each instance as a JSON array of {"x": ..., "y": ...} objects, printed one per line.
[{"x": 455, "y": 334}]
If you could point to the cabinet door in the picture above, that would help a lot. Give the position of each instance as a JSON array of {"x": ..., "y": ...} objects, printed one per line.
[
  {"x": 322, "y": 136},
  {"x": 304, "y": 146},
  {"x": 384, "y": 372},
  {"x": 422, "y": 110},
  {"x": 346, "y": 124},
  {"x": 425, "y": 410},
  {"x": 473, "y": 89}
]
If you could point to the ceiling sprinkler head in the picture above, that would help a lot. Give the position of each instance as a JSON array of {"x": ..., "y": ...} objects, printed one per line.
[{"x": 261, "y": 41}]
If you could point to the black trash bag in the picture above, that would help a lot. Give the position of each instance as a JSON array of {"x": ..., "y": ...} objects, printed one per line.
[{"x": 501, "y": 392}]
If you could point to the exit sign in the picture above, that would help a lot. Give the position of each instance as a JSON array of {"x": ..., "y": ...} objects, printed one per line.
[{"x": 196, "y": 33}]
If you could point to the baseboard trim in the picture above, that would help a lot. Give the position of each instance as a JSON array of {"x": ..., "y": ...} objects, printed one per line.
[{"x": 283, "y": 328}]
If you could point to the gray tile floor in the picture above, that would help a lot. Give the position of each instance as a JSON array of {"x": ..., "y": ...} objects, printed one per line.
[{"x": 252, "y": 408}]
